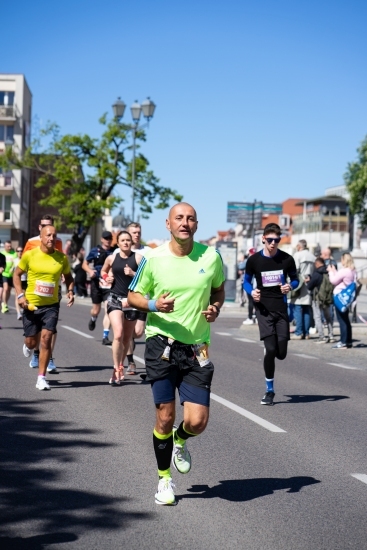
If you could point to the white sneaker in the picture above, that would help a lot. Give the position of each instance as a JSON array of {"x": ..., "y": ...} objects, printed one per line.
[
  {"x": 42, "y": 384},
  {"x": 26, "y": 351},
  {"x": 165, "y": 494},
  {"x": 51, "y": 366},
  {"x": 248, "y": 322},
  {"x": 19, "y": 316},
  {"x": 181, "y": 458}
]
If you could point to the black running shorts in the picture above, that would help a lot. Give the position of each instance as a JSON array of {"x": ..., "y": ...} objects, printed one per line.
[
  {"x": 181, "y": 370},
  {"x": 97, "y": 294},
  {"x": 114, "y": 304},
  {"x": 8, "y": 280},
  {"x": 272, "y": 323},
  {"x": 45, "y": 317}
]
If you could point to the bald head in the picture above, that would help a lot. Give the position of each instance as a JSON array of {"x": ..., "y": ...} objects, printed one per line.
[
  {"x": 180, "y": 206},
  {"x": 48, "y": 238},
  {"x": 182, "y": 223}
]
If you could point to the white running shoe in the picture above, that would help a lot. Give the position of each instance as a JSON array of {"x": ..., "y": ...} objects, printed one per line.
[
  {"x": 26, "y": 351},
  {"x": 181, "y": 458},
  {"x": 19, "y": 316},
  {"x": 51, "y": 366},
  {"x": 248, "y": 322},
  {"x": 42, "y": 384},
  {"x": 165, "y": 494}
]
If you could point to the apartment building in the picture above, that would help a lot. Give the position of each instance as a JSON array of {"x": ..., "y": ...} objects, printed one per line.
[{"x": 15, "y": 131}]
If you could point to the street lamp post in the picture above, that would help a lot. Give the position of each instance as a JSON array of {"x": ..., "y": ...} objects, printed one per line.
[{"x": 148, "y": 108}]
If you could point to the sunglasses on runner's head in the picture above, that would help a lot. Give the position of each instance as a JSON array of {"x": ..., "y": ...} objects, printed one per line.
[
  {"x": 269, "y": 240},
  {"x": 45, "y": 224},
  {"x": 19, "y": 249}
]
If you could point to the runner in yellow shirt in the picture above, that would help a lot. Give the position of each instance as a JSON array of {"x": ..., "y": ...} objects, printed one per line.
[{"x": 44, "y": 267}]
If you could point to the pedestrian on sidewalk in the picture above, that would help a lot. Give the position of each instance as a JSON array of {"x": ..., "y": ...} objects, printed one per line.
[{"x": 321, "y": 289}]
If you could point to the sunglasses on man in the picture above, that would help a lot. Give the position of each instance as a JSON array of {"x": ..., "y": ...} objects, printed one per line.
[{"x": 270, "y": 240}]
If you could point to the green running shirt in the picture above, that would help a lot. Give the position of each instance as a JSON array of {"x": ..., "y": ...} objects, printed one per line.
[{"x": 189, "y": 279}]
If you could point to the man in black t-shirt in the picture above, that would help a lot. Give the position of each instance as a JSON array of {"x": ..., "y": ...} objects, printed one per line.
[{"x": 271, "y": 268}]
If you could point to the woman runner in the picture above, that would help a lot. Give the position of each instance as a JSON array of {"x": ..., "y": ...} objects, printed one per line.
[{"x": 119, "y": 270}]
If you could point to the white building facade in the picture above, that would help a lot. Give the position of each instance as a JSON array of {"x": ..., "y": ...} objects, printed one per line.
[{"x": 15, "y": 131}]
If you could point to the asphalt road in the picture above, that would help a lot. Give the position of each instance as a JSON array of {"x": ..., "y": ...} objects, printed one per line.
[{"x": 78, "y": 469}]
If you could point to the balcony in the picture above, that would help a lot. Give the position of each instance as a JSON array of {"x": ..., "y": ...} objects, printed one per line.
[
  {"x": 5, "y": 218},
  {"x": 6, "y": 184},
  {"x": 9, "y": 112}
]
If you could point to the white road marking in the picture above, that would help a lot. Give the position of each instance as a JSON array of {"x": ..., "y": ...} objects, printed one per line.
[
  {"x": 305, "y": 356},
  {"x": 77, "y": 332},
  {"x": 264, "y": 423},
  {"x": 223, "y": 333},
  {"x": 343, "y": 366},
  {"x": 244, "y": 340},
  {"x": 236, "y": 408},
  {"x": 360, "y": 477}
]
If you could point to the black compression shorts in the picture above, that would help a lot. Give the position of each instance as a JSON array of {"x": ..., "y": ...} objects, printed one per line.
[{"x": 272, "y": 323}]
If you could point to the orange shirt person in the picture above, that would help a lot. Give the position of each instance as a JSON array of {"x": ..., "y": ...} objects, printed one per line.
[{"x": 36, "y": 241}]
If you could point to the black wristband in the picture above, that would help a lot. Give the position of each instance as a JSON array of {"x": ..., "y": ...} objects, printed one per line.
[{"x": 217, "y": 308}]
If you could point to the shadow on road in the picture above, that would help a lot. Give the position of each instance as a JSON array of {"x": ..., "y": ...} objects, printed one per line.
[
  {"x": 299, "y": 398},
  {"x": 241, "y": 490},
  {"x": 35, "y": 498}
]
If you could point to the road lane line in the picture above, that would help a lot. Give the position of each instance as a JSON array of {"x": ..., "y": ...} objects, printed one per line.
[
  {"x": 360, "y": 477},
  {"x": 223, "y": 333},
  {"x": 77, "y": 332},
  {"x": 343, "y": 366},
  {"x": 245, "y": 340},
  {"x": 305, "y": 356},
  {"x": 263, "y": 423},
  {"x": 236, "y": 408}
]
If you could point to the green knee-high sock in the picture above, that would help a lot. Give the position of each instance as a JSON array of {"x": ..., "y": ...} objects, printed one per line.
[{"x": 182, "y": 435}]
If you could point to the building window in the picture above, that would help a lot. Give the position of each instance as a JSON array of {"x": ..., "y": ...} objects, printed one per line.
[
  {"x": 7, "y": 98},
  {"x": 7, "y": 177},
  {"x": 6, "y": 132},
  {"x": 5, "y": 208}
]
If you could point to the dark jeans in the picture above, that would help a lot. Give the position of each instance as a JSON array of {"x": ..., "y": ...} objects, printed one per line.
[
  {"x": 302, "y": 315},
  {"x": 345, "y": 327}
]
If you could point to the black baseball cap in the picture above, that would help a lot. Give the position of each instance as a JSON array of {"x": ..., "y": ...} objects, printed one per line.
[{"x": 107, "y": 235}]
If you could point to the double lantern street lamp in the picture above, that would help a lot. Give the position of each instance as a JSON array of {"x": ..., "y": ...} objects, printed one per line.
[{"x": 148, "y": 108}]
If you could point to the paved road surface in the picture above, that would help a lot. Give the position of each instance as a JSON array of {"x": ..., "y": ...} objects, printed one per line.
[{"x": 78, "y": 469}]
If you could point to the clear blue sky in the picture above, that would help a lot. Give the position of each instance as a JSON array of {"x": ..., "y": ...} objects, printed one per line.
[{"x": 264, "y": 100}]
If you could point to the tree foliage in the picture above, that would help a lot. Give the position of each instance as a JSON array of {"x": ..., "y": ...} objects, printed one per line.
[
  {"x": 356, "y": 182},
  {"x": 81, "y": 174}
]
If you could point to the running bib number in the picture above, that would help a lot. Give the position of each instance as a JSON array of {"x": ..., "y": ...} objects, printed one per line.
[
  {"x": 272, "y": 278},
  {"x": 44, "y": 289}
]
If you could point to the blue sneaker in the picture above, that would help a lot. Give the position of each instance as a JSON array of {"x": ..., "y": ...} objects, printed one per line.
[
  {"x": 52, "y": 367},
  {"x": 34, "y": 361}
]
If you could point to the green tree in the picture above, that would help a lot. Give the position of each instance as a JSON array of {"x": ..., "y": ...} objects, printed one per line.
[
  {"x": 356, "y": 182},
  {"x": 81, "y": 174}
]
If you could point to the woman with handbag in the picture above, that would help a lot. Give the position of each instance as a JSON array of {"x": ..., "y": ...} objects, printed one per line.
[{"x": 342, "y": 279}]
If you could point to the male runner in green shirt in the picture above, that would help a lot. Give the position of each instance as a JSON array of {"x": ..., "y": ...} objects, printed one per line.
[
  {"x": 185, "y": 282},
  {"x": 10, "y": 256}
]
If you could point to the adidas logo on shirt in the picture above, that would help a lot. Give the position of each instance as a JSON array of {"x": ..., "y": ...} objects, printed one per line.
[{"x": 201, "y": 271}]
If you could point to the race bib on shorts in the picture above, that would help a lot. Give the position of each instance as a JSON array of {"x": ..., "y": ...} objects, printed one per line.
[
  {"x": 103, "y": 285},
  {"x": 272, "y": 278},
  {"x": 44, "y": 289}
]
